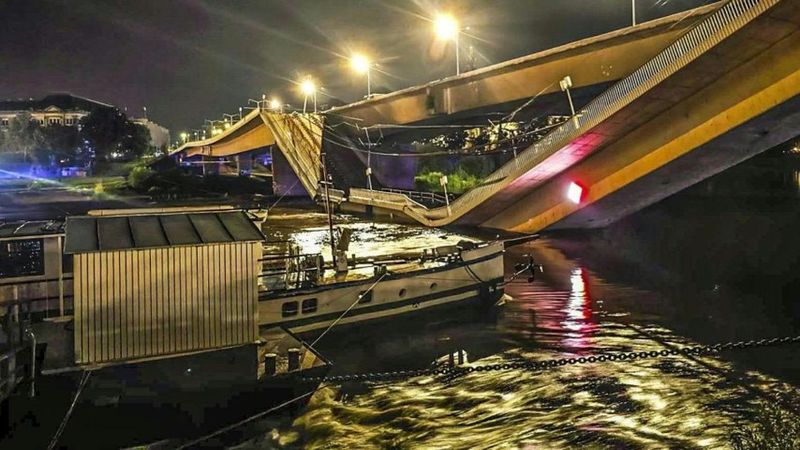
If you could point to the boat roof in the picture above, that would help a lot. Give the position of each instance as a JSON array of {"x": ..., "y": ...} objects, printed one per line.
[
  {"x": 136, "y": 231},
  {"x": 30, "y": 228}
]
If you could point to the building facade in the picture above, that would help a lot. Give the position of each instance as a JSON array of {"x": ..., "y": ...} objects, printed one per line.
[{"x": 55, "y": 109}]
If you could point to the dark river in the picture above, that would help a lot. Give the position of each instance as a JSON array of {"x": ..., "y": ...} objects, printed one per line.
[{"x": 715, "y": 263}]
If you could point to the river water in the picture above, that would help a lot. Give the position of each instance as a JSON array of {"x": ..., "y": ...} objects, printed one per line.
[{"x": 715, "y": 263}]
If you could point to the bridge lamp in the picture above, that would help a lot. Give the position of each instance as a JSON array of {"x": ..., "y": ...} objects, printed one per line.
[
  {"x": 275, "y": 105},
  {"x": 361, "y": 64},
  {"x": 446, "y": 28},
  {"x": 184, "y": 136},
  {"x": 575, "y": 192},
  {"x": 309, "y": 89}
]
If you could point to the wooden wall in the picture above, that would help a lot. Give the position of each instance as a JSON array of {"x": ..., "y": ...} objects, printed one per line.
[{"x": 147, "y": 302}]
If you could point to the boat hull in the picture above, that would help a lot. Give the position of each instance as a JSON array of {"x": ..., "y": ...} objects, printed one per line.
[
  {"x": 477, "y": 279},
  {"x": 176, "y": 399}
]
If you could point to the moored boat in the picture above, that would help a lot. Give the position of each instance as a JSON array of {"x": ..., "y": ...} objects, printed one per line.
[{"x": 164, "y": 340}]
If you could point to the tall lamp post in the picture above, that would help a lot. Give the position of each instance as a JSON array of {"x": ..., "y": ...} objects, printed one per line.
[
  {"x": 447, "y": 28},
  {"x": 633, "y": 12},
  {"x": 361, "y": 64},
  {"x": 309, "y": 89}
]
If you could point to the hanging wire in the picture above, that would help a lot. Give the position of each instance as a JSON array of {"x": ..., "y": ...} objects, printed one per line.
[{"x": 63, "y": 425}]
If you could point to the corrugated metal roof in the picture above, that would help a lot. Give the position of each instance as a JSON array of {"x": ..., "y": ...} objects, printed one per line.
[{"x": 106, "y": 233}]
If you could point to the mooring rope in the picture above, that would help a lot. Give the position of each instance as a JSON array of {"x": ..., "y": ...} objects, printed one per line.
[
  {"x": 358, "y": 298},
  {"x": 249, "y": 419},
  {"x": 64, "y": 421}
]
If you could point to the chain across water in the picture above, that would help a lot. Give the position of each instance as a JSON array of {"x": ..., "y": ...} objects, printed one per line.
[{"x": 699, "y": 350}]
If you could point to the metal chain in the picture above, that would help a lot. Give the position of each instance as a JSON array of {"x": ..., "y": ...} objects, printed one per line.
[{"x": 553, "y": 363}]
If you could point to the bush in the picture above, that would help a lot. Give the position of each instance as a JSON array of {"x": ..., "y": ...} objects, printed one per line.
[
  {"x": 139, "y": 177},
  {"x": 458, "y": 182}
]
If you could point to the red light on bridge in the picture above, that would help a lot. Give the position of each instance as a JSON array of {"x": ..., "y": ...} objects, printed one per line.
[{"x": 575, "y": 192}]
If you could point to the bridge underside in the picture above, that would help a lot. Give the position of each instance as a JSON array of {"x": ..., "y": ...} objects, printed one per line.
[
  {"x": 771, "y": 129},
  {"x": 728, "y": 105}
]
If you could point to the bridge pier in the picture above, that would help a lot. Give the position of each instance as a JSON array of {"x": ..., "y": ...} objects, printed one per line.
[{"x": 210, "y": 166}]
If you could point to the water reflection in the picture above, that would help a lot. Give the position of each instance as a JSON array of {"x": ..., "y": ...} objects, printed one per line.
[
  {"x": 579, "y": 312},
  {"x": 658, "y": 403},
  {"x": 796, "y": 179}
]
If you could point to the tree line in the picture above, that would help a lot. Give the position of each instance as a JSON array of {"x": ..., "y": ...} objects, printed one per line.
[{"x": 105, "y": 134}]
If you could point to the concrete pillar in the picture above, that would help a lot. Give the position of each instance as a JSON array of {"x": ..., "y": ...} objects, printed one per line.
[
  {"x": 244, "y": 164},
  {"x": 210, "y": 166}
]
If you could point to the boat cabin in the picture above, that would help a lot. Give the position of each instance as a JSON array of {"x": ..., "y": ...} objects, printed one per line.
[{"x": 147, "y": 285}]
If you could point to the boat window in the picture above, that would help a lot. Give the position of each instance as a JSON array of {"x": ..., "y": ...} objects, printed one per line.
[
  {"x": 21, "y": 258},
  {"x": 366, "y": 297},
  {"x": 289, "y": 309},
  {"x": 434, "y": 286},
  {"x": 402, "y": 292},
  {"x": 309, "y": 305}
]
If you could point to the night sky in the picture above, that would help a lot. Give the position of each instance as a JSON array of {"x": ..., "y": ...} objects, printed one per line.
[{"x": 187, "y": 60}]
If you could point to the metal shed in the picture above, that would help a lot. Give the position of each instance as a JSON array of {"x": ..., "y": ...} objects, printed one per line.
[{"x": 155, "y": 284}]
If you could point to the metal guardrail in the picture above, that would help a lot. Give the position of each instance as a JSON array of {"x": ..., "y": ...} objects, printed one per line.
[
  {"x": 422, "y": 197},
  {"x": 720, "y": 24},
  {"x": 11, "y": 371}
]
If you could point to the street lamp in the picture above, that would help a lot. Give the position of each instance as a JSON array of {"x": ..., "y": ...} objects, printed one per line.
[
  {"x": 446, "y": 28},
  {"x": 184, "y": 136},
  {"x": 309, "y": 89},
  {"x": 275, "y": 105},
  {"x": 633, "y": 12},
  {"x": 361, "y": 64}
]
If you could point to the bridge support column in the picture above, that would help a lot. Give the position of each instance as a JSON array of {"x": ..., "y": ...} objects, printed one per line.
[
  {"x": 244, "y": 164},
  {"x": 210, "y": 166}
]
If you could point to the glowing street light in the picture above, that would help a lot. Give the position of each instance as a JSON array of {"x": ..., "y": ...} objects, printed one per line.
[
  {"x": 184, "y": 136},
  {"x": 275, "y": 104},
  {"x": 309, "y": 89},
  {"x": 361, "y": 64},
  {"x": 447, "y": 28}
]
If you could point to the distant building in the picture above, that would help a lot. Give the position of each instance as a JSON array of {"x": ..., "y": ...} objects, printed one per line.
[
  {"x": 55, "y": 109},
  {"x": 159, "y": 135}
]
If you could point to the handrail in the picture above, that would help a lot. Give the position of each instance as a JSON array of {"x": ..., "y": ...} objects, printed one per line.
[
  {"x": 435, "y": 197},
  {"x": 717, "y": 26}
]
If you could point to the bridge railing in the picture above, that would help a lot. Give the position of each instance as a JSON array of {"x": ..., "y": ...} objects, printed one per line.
[
  {"x": 720, "y": 24},
  {"x": 425, "y": 198}
]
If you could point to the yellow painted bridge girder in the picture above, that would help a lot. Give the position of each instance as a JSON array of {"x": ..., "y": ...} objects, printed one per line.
[{"x": 753, "y": 88}]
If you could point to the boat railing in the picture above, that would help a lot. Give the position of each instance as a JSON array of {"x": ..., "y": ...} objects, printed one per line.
[{"x": 11, "y": 371}]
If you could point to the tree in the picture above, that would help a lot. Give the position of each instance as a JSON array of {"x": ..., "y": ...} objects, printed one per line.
[
  {"x": 108, "y": 134},
  {"x": 24, "y": 135},
  {"x": 61, "y": 145},
  {"x": 102, "y": 130},
  {"x": 135, "y": 142}
]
